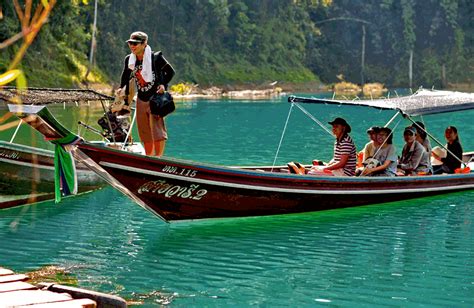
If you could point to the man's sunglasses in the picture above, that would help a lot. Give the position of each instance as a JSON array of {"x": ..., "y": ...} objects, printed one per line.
[{"x": 134, "y": 43}]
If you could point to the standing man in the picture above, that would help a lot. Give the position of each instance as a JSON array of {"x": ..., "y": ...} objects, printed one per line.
[{"x": 152, "y": 73}]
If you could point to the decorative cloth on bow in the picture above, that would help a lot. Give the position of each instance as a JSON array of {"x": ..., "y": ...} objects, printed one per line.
[
  {"x": 65, "y": 177},
  {"x": 147, "y": 72}
]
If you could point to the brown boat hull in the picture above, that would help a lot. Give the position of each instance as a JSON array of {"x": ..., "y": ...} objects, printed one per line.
[{"x": 180, "y": 190}]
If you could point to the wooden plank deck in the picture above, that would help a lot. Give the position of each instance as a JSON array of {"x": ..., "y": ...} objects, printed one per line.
[
  {"x": 15, "y": 286},
  {"x": 15, "y": 292}
]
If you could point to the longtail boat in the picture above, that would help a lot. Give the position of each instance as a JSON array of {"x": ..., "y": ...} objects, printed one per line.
[
  {"x": 27, "y": 174},
  {"x": 175, "y": 189}
]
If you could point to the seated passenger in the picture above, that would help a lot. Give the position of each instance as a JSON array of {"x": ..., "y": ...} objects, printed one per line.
[
  {"x": 344, "y": 159},
  {"x": 423, "y": 139},
  {"x": 450, "y": 162},
  {"x": 413, "y": 160},
  {"x": 386, "y": 155},
  {"x": 372, "y": 145},
  {"x": 421, "y": 136},
  {"x": 369, "y": 149}
]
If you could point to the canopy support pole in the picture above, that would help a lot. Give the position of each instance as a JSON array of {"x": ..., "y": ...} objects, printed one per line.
[
  {"x": 282, "y": 135},
  {"x": 392, "y": 119},
  {"x": 436, "y": 140},
  {"x": 313, "y": 118}
]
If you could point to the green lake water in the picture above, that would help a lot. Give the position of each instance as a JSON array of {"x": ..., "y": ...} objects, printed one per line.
[{"x": 405, "y": 254}]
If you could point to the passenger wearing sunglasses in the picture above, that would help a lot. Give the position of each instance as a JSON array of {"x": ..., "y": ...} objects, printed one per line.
[{"x": 151, "y": 73}]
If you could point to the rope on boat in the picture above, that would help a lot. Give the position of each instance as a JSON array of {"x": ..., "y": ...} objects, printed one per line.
[{"x": 282, "y": 135}]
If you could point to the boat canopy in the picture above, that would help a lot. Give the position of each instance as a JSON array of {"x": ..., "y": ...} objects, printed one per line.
[
  {"x": 42, "y": 96},
  {"x": 420, "y": 103}
]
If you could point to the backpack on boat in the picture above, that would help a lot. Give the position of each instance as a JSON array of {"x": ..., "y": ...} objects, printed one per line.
[{"x": 118, "y": 124}]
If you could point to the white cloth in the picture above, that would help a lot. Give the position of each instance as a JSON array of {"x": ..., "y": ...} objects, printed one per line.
[
  {"x": 147, "y": 71},
  {"x": 318, "y": 170}
]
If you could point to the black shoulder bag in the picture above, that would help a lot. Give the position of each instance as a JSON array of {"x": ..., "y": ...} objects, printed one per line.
[{"x": 161, "y": 104}]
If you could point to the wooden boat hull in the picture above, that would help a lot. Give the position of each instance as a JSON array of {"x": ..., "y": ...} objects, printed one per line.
[
  {"x": 27, "y": 175},
  {"x": 181, "y": 190}
]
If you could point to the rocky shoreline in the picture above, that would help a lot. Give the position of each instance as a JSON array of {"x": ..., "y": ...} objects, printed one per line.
[
  {"x": 270, "y": 90},
  {"x": 215, "y": 92}
]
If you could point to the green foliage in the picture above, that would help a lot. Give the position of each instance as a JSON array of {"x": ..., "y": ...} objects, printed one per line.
[
  {"x": 216, "y": 42},
  {"x": 408, "y": 15},
  {"x": 440, "y": 33},
  {"x": 430, "y": 68},
  {"x": 58, "y": 55}
]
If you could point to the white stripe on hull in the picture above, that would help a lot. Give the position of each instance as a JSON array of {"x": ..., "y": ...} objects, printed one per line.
[
  {"x": 285, "y": 190},
  {"x": 22, "y": 163}
]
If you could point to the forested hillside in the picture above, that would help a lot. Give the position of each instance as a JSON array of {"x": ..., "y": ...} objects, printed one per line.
[{"x": 220, "y": 42}]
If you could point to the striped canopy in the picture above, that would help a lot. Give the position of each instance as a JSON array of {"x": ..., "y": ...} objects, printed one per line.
[{"x": 420, "y": 103}]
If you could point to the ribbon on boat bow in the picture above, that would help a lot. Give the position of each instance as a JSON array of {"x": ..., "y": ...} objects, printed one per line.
[{"x": 65, "y": 177}]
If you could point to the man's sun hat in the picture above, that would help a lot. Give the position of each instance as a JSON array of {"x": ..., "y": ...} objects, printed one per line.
[
  {"x": 411, "y": 130},
  {"x": 343, "y": 122},
  {"x": 373, "y": 129},
  {"x": 137, "y": 37}
]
